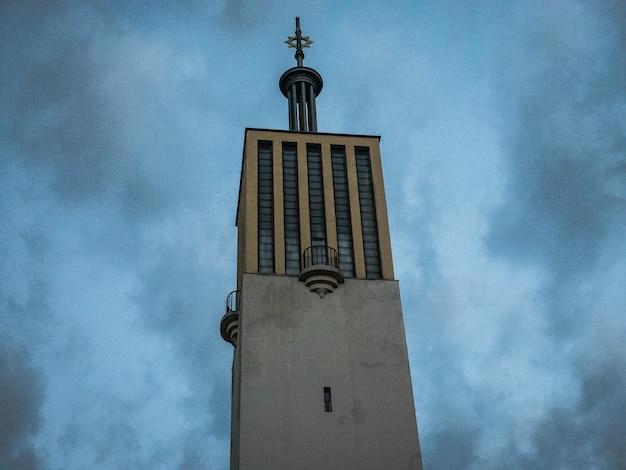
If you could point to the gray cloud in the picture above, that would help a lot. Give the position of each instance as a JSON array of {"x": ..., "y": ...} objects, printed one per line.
[
  {"x": 567, "y": 153},
  {"x": 454, "y": 447},
  {"x": 74, "y": 101},
  {"x": 241, "y": 14},
  {"x": 176, "y": 303},
  {"x": 95, "y": 142},
  {"x": 61, "y": 122},
  {"x": 565, "y": 211},
  {"x": 587, "y": 434},
  {"x": 590, "y": 433},
  {"x": 22, "y": 390}
]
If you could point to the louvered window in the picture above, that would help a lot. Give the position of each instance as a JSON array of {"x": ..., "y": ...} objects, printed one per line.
[
  {"x": 316, "y": 196},
  {"x": 368, "y": 213},
  {"x": 292, "y": 212},
  {"x": 342, "y": 211},
  {"x": 266, "y": 209}
]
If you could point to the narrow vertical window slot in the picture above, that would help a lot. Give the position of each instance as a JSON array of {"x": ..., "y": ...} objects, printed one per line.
[
  {"x": 328, "y": 403},
  {"x": 369, "y": 224},
  {"x": 316, "y": 196},
  {"x": 266, "y": 208},
  {"x": 292, "y": 210},
  {"x": 342, "y": 210}
]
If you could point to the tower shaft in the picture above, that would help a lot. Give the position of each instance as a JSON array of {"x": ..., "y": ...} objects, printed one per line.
[{"x": 321, "y": 373}]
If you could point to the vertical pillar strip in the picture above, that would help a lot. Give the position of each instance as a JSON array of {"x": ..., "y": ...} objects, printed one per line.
[
  {"x": 293, "y": 105},
  {"x": 312, "y": 110},
  {"x": 302, "y": 101},
  {"x": 251, "y": 175},
  {"x": 384, "y": 239},
  {"x": 289, "y": 100}
]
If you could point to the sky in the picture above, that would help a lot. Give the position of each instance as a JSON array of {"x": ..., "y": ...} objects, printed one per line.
[{"x": 503, "y": 131}]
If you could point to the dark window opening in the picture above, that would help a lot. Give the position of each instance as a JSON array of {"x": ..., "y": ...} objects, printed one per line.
[
  {"x": 317, "y": 213},
  {"x": 369, "y": 224},
  {"x": 266, "y": 208},
  {"x": 328, "y": 404},
  {"x": 292, "y": 210},
  {"x": 342, "y": 210}
]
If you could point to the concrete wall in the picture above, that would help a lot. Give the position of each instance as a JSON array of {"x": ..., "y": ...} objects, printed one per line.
[{"x": 292, "y": 344}]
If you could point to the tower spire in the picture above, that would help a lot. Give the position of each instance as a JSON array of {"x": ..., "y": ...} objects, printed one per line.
[
  {"x": 298, "y": 42},
  {"x": 301, "y": 85}
]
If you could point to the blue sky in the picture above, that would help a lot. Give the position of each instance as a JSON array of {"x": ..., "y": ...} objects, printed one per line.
[{"x": 503, "y": 131}]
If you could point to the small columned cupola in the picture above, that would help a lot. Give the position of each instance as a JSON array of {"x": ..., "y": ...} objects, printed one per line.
[
  {"x": 301, "y": 85},
  {"x": 320, "y": 269}
]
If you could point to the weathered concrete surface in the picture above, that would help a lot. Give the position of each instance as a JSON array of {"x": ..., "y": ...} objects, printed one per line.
[{"x": 291, "y": 345}]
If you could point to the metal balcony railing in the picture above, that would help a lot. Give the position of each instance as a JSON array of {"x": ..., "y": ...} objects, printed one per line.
[
  {"x": 320, "y": 255},
  {"x": 232, "y": 301},
  {"x": 229, "y": 325}
]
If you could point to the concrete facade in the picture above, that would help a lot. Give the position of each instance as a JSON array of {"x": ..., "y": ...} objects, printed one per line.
[
  {"x": 291, "y": 345},
  {"x": 321, "y": 375}
]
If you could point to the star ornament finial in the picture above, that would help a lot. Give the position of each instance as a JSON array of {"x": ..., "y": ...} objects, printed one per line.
[{"x": 298, "y": 41}]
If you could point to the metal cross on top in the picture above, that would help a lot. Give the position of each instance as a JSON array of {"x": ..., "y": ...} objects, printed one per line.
[{"x": 298, "y": 41}]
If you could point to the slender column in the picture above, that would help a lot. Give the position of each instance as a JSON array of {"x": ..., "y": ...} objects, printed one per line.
[
  {"x": 308, "y": 108},
  {"x": 302, "y": 102},
  {"x": 293, "y": 106},
  {"x": 312, "y": 112},
  {"x": 290, "y": 116}
]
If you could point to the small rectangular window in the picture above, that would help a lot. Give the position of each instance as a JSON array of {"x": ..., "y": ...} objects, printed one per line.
[{"x": 328, "y": 404}]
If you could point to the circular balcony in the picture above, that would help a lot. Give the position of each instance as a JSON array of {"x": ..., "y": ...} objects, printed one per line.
[
  {"x": 229, "y": 325},
  {"x": 320, "y": 269}
]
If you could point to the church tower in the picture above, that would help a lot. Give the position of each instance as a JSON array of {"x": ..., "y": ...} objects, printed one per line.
[{"x": 321, "y": 374}]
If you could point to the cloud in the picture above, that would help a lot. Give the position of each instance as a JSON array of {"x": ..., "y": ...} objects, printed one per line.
[
  {"x": 590, "y": 433},
  {"x": 105, "y": 112},
  {"x": 566, "y": 153},
  {"x": 110, "y": 210},
  {"x": 22, "y": 389},
  {"x": 512, "y": 246},
  {"x": 61, "y": 122},
  {"x": 562, "y": 97},
  {"x": 454, "y": 446},
  {"x": 241, "y": 14}
]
